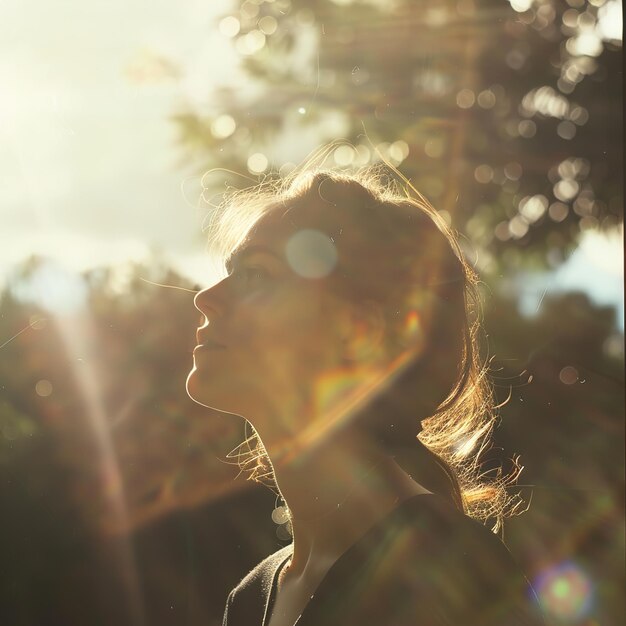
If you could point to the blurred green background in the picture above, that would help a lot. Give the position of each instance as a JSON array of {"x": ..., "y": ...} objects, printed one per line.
[{"x": 121, "y": 126}]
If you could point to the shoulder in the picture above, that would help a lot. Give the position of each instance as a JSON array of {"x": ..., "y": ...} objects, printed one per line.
[
  {"x": 428, "y": 527},
  {"x": 429, "y": 559},
  {"x": 472, "y": 574},
  {"x": 247, "y": 601},
  {"x": 433, "y": 527}
]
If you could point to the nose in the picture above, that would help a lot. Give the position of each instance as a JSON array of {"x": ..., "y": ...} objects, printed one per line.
[{"x": 210, "y": 301}]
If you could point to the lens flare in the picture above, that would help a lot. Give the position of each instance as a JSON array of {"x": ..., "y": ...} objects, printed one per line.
[
  {"x": 311, "y": 253},
  {"x": 411, "y": 322},
  {"x": 340, "y": 395},
  {"x": 75, "y": 339},
  {"x": 566, "y": 592}
]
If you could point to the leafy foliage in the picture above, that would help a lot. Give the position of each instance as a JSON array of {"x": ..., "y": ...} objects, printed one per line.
[
  {"x": 129, "y": 346},
  {"x": 508, "y": 121}
]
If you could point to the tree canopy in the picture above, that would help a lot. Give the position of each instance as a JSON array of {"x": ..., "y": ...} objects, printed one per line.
[{"x": 506, "y": 116}]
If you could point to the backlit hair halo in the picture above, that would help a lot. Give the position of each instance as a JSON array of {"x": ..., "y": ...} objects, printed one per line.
[{"x": 398, "y": 226}]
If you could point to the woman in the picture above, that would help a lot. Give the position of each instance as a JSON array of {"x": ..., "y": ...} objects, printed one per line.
[{"x": 345, "y": 328}]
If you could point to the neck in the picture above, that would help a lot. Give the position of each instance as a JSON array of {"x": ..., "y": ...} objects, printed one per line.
[{"x": 335, "y": 493}]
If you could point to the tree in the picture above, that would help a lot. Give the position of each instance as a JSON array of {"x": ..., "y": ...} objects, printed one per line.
[
  {"x": 188, "y": 515},
  {"x": 508, "y": 120}
]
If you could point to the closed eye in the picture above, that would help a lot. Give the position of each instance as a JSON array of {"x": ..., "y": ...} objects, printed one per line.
[
  {"x": 250, "y": 276},
  {"x": 255, "y": 274}
]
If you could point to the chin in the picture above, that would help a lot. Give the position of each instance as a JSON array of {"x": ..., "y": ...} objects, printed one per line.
[
  {"x": 201, "y": 393},
  {"x": 189, "y": 385},
  {"x": 195, "y": 388}
]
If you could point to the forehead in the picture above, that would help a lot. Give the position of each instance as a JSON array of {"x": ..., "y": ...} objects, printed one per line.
[
  {"x": 281, "y": 221},
  {"x": 300, "y": 239},
  {"x": 276, "y": 225}
]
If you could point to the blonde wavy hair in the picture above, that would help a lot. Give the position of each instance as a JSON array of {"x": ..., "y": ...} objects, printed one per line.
[{"x": 400, "y": 229}]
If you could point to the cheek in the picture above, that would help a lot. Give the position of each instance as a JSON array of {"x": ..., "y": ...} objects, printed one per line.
[
  {"x": 276, "y": 347},
  {"x": 293, "y": 332}
]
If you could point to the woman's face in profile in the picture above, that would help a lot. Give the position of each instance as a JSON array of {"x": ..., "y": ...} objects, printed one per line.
[{"x": 273, "y": 331}]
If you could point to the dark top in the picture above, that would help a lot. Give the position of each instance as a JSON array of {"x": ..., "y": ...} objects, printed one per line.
[{"x": 425, "y": 564}]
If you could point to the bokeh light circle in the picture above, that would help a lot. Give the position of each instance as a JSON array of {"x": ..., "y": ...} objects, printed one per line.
[
  {"x": 43, "y": 388},
  {"x": 229, "y": 26},
  {"x": 558, "y": 211},
  {"x": 513, "y": 170},
  {"x": 223, "y": 126},
  {"x": 344, "y": 155},
  {"x": 398, "y": 151},
  {"x": 568, "y": 375},
  {"x": 465, "y": 98},
  {"x": 565, "y": 592},
  {"x": 566, "y": 130},
  {"x": 527, "y": 128},
  {"x": 483, "y": 173},
  {"x": 486, "y": 99},
  {"x": 434, "y": 148},
  {"x": 257, "y": 163},
  {"x": 311, "y": 253},
  {"x": 268, "y": 25}
]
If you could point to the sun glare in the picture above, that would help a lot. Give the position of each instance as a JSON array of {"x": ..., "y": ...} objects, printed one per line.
[{"x": 605, "y": 250}]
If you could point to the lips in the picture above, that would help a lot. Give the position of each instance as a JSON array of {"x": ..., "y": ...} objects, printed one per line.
[
  {"x": 205, "y": 342},
  {"x": 207, "y": 348}
]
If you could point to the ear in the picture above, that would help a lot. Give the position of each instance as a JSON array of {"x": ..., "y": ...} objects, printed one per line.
[{"x": 365, "y": 331}]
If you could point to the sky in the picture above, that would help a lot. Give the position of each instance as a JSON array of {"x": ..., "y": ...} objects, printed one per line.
[
  {"x": 89, "y": 169},
  {"x": 596, "y": 267}
]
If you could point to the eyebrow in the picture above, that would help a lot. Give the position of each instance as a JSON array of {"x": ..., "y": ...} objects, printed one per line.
[{"x": 248, "y": 251}]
